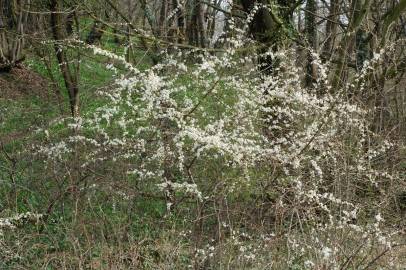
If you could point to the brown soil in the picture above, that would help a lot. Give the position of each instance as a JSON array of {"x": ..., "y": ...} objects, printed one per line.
[{"x": 22, "y": 82}]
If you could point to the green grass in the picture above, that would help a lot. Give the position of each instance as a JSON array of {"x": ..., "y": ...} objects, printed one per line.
[{"x": 33, "y": 191}]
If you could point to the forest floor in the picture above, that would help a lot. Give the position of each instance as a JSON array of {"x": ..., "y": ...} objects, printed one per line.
[
  {"x": 22, "y": 82},
  {"x": 18, "y": 89}
]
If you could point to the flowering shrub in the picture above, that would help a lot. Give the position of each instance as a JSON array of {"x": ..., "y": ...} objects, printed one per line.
[
  {"x": 217, "y": 130},
  {"x": 12, "y": 223}
]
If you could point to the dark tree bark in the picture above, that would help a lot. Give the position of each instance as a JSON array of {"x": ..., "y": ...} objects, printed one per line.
[
  {"x": 196, "y": 29},
  {"x": 162, "y": 31},
  {"x": 96, "y": 33},
  {"x": 312, "y": 40},
  {"x": 150, "y": 18},
  {"x": 265, "y": 29},
  {"x": 202, "y": 31},
  {"x": 331, "y": 28},
  {"x": 70, "y": 77},
  {"x": 13, "y": 23},
  {"x": 179, "y": 21},
  {"x": 262, "y": 24},
  {"x": 363, "y": 52},
  {"x": 359, "y": 10},
  {"x": 70, "y": 19}
]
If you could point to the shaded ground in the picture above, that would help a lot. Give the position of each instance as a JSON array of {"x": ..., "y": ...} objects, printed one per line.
[
  {"x": 22, "y": 82},
  {"x": 26, "y": 97}
]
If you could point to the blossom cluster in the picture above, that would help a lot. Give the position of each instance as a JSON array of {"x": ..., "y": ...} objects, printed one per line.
[{"x": 181, "y": 128}]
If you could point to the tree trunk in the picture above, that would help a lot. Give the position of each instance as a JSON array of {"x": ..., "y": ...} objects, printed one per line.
[
  {"x": 358, "y": 13},
  {"x": 196, "y": 28},
  {"x": 311, "y": 35},
  {"x": 202, "y": 31},
  {"x": 96, "y": 33},
  {"x": 70, "y": 78},
  {"x": 262, "y": 29},
  {"x": 162, "y": 31},
  {"x": 331, "y": 29},
  {"x": 13, "y": 21},
  {"x": 150, "y": 18},
  {"x": 179, "y": 21}
]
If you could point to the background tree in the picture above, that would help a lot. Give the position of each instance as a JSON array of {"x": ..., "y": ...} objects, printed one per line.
[
  {"x": 312, "y": 41},
  {"x": 69, "y": 72},
  {"x": 13, "y": 27}
]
